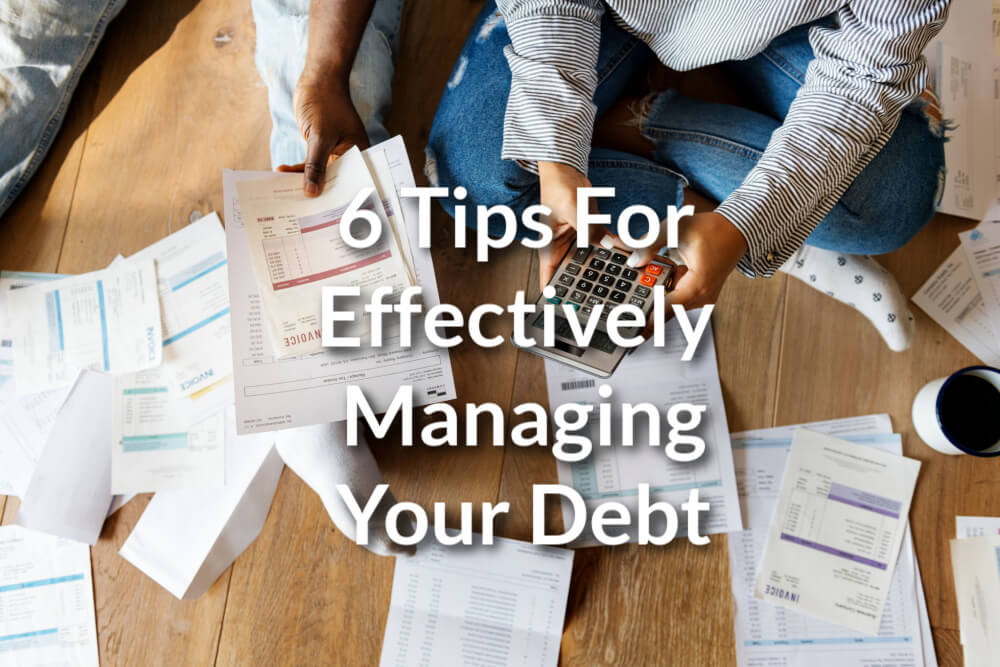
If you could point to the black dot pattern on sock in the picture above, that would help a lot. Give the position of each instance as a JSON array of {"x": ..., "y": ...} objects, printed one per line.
[
  {"x": 859, "y": 279},
  {"x": 812, "y": 277},
  {"x": 841, "y": 261},
  {"x": 892, "y": 317},
  {"x": 877, "y": 296}
]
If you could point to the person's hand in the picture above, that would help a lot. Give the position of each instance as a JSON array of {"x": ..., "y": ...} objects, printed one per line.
[
  {"x": 558, "y": 184},
  {"x": 711, "y": 247},
  {"x": 329, "y": 123}
]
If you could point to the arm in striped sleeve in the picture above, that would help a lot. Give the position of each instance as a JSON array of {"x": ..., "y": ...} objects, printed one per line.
[
  {"x": 864, "y": 72},
  {"x": 553, "y": 60}
]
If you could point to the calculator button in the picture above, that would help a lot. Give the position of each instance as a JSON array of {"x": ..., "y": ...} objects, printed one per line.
[
  {"x": 603, "y": 253},
  {"x": 584, "y": 286},
  {"x": 566, "y": 279},
  {"x": 629, "y": 274},
  {"x": 648, "y": 280},
  {"x": 594, "y": 301},
  {"x": 587, "y": 309},
  {"x": 607, "y": 280},
  {"x": 624, "y": 285},
  {"x": 654, "y": 269},
  {"x": 637, "y": 302},
  {"x": 577, "y": 295},
  {"x": 642, "y": 291},
  {"x": 556, "y": 300},
  {"x": 618, "y": 297},
  {"x": 596, "y": 264},
  {"x": 590, "y": 274},
  {"x": 575, "y": 306},
  {"x": 613, "y": 269},
  {"x": 618, "y": 258},
  {"x": 581, "y": 254},
  {"x": 573, "y": 268},
  {"x": 600, "y": 291},
  {"x": 560, "y": 290}
]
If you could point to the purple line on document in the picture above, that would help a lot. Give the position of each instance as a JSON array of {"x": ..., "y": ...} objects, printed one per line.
[
  {"x": 865, "y": 500},
  {"x": 836, "y": 552}
]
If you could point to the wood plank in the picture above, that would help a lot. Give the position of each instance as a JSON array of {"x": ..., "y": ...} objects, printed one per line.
[
  {"x": 161, "y": 134},
  {"x": 835, "y": 365}
]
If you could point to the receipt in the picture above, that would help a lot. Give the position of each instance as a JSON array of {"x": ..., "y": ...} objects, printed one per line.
[
  {"x": 107, "y": 321},
  {"x": 154, "y": 449},
  {"x": 836, "y": 531},
  {"x": 982, "y": 250},
  {"x": 499, "y": 605},
  {"x": 975, "y": 562},
  {"x": 297, "y": 247},
  {"x": 46, "y": 600},
  {"x": 194, "y": 301},
  {"x": 976, "y": 526}
]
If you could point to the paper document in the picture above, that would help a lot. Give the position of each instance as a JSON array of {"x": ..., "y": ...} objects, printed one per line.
[
  {"x": 836, "y": 531},
  {"x": 187, "y": 538},
  {"x": 194, "y": 302},
  {"x": 961, "y": 70},
  {"x": 154, "y": 448},
  {"x": 46, "y": 600},
  {"x": 11, "y": 280},
  {"x": 497, "y": 605},
  {"x": 653, "y": 374},
  {"x": 106, "y": 321},
  {"x": 70, "y": 491},
  {"x": 277, "y": 394},
  {"x": 976, "y": 526},
  {"x": 296, "y": 248},
  {"x": 982, "y": 250},
  {"x": 767, "y": 634},
  {"x": 952, "y": 299},
  {"x": 975, "y": 562}
]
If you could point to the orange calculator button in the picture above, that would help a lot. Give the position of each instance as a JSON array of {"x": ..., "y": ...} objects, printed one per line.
[
  {"x": 648, "y": 280},
  {"x": 654, "y": 269}
]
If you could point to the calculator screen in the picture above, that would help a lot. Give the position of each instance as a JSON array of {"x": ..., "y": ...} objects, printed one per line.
[{"x": 599, "y": 341}]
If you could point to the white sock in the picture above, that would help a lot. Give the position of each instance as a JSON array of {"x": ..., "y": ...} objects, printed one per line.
[
  {"x": 863, "y": 284},
  {"x": 321, "y": 457}
]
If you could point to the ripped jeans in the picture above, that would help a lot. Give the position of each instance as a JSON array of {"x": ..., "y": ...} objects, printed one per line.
[
  {"x": 46, "y": 44},
  {"x": 705, "y": 145}
]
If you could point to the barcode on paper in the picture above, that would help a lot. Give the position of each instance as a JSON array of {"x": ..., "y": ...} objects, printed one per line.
[{"x": 578, "y": 384}]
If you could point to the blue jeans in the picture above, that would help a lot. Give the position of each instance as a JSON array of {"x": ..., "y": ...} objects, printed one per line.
[
  {"x": 705, "y": 145},
  {"x": 46, "y": 44}
]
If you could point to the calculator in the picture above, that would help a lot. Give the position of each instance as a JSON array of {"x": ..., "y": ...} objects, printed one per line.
[{"x": 588, "y": 277}]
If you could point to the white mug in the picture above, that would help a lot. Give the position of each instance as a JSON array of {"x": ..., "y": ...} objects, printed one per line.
[{"x": 927, "y": 417}]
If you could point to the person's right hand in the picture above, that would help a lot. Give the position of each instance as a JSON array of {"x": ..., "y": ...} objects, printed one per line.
[{"x": 329, "y": 123}]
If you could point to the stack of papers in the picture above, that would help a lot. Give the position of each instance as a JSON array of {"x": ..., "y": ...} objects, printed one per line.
[
  {"x": 975, "y": 561},
  {"x": 274, "y": 393},
  {"x": 614, "y": 473},
  {"x": 768, "y": 633},
  {"x": 501, "y": 605}
]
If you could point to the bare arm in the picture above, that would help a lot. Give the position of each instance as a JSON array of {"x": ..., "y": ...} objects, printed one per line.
[{"x": 323, "y": 109}]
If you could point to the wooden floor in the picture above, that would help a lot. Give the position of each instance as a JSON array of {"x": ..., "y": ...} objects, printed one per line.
[{"x": 171, "y": 98}]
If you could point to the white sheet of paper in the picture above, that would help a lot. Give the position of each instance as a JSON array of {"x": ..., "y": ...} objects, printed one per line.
[
  {"x": 187, "y": 538},
  {"x": 296, "y": 248},
  {"x": 952, "y": 299},
  {"x": 499, "y": 605},
  {"x": 975, "y": 562},
  {"x": 46, "y": 600},
  {"x": 273, "y": 394},
  {"x": 106, "y": 321},
  {"x": 70, "y": 492},
  {"x": 656, "y": 375},
  {"x": 25, "y": 424},
  {"x": 768, "y": 634},
  {"x": 982, "y": 250},
  {"x": 836, "y": 531},
  {"x": 976, "y": 526},
  {"x": 194, "y": 304},
  {"x": 960, "y": 65},
  {"x": 154, "y": 448}
]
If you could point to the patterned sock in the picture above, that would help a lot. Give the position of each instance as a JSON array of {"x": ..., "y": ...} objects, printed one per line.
[{"x": 863, "y": 284}]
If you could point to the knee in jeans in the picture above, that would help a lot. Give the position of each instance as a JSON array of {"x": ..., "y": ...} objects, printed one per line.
[{"x": 486, "y": 179}]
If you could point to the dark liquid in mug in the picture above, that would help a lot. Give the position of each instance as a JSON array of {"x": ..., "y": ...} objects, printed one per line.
[{"x": 970, "y": 412}]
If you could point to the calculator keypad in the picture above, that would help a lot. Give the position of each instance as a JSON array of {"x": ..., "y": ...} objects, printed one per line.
[{"x": 597, "y": 276}]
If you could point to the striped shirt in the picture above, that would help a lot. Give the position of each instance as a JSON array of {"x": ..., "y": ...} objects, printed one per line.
[{"x": 866, "y": 69}]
